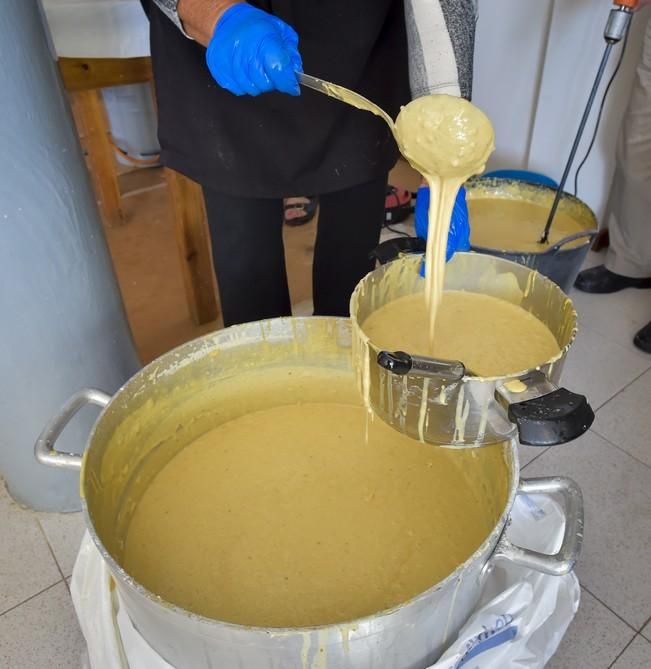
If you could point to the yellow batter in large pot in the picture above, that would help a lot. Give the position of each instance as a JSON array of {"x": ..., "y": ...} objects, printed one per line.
[
  {"x": 516, "y": 225},
  {"x": 310, "y": 513}
]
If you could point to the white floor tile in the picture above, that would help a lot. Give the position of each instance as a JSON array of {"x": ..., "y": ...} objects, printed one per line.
[
  {"x": 599, "y": 368},
  {"x": 595, "y": 638},
  {"x": 617, "y": 316},
  {"x": 616, "y": 488},
  {"x": 64, "y": 532},
  {"x": 626, "y": 419},
  {"x": 528, "y": 453},
  {"x": 646, "y": 632},
  {"x": 636, "y": 656},
  {"x": 26, "y": 563},
  {"x": 42, "y": 632}
]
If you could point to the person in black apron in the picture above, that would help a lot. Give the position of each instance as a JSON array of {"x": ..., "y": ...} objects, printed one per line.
[{"x": 250, "y": 148}]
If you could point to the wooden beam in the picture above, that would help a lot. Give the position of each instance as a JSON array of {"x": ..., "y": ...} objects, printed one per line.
[
  {"x": 92, "y": 126},
  {"x": 193, "y": 240},
  {"x": 83, "y": 74}
]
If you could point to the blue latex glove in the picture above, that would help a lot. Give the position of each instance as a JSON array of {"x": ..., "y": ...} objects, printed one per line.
[
  {"x": 253, "y": 52},
  {"x": 459, "y": 235}
]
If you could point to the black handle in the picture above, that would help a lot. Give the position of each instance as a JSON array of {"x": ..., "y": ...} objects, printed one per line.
[{"x": 551, "y": 419}]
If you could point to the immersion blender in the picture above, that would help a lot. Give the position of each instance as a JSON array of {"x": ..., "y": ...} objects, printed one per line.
[{"x": 617, "y": 26}]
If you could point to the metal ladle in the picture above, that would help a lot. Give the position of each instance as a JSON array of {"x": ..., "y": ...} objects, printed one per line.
[{"x": 346, "y": 95}]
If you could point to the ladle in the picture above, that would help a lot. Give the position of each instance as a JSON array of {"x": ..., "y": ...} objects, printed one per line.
[{"x": 346, "y": 95}]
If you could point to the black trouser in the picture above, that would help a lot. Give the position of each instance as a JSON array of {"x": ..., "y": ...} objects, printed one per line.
[{"x": 249, "y": 256}]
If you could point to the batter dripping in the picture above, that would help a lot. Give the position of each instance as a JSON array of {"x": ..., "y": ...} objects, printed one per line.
[
  {"x": 492, "y": 337},
  {"x": 285, "y": 517},
  {"x": 515, "y": 225},
  {"x": 448, "y": 140}
]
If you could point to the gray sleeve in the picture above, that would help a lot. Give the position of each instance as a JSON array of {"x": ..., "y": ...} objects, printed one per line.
[
  {"x": 441, "y": 39},
  {"x": 461, "y": 18},
  {"x": 170, "y": 9}
]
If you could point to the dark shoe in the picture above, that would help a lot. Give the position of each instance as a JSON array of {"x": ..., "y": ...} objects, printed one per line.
[
  {"x": 643, "y": 338},
  {"x": 601, "y": 280}
]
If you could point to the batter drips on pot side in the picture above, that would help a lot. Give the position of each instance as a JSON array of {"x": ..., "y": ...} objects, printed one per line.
[
  {"x": 285, "y": 517},
  {"x": 448, "y": 140}
]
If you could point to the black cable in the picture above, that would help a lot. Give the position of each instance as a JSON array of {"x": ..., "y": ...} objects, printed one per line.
[
  {"x": 601, "y": 111},
  {"x": 396, "y": 231}
]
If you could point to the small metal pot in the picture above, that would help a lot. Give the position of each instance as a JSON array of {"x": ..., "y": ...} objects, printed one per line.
[
  {"x": 436, "y": 401},
  {"x": 561, "y": 262},
  {"x": 177, "y": 397}
]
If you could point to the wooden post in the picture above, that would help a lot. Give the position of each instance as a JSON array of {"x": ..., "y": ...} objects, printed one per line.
[
  {"x": 91, "y": 121},
  {"x": 82, "y": 77},
  {"x": 193, "y": 239}
]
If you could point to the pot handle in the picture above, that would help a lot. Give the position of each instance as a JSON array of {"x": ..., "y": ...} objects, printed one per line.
[
  {"x": 589, "y": 234},
  {"x": 562, "y": 562},
  {"x": 44, "y": 449},
  {"x": 544, "y": 414}
]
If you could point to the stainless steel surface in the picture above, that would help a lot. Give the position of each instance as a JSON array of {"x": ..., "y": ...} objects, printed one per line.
[
  {"x": 562, "y": 562},
  {"x": 346, "y": 95},
  {"x": 559, "y": 262},
  {"x": 618, "y": 23},
  {"x": 526, "y": 387},
  {"x": 44, "y": 449},
  {"x": 164, "y": 407},
  {"x": 465, "y": 412}
]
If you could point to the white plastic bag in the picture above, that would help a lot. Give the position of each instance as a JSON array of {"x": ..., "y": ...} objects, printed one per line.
[
  {"x": 519, "y": 622},
  {"x": 523, "y": 614}
]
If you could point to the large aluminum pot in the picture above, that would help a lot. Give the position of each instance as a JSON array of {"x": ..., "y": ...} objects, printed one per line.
[
  {"x": 175, "y": 399},
  {"x": 441, "y": 402}
]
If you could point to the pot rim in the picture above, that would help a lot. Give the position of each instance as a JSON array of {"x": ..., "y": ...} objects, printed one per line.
[
  {"x": 481, "y": 182},
  {"x": 121, "y": 576}
]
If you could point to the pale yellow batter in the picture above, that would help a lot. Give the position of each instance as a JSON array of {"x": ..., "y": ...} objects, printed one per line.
[
  {"x": 288, "y": 516},
  {"x": 448, "y": 140},
  {"x": 516, "y": 225},
  {"x": 492, "y": 337}
]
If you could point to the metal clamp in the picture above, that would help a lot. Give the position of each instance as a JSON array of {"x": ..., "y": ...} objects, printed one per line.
[
  {"x": 44, "y": 447},
  {"x": 562, "y": 562},
  {"x": 402, "y": 363}
]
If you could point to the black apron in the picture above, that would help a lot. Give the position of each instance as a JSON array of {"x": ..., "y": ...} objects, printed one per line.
[{"x": 275, "y": 145}]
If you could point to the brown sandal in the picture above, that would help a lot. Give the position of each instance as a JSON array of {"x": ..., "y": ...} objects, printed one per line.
[{"x": 299, "y": 210}]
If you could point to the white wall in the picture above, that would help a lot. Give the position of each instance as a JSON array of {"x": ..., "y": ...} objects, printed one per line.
[{"x": 535, "y": 63}]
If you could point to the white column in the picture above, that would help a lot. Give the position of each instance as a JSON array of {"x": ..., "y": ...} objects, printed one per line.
[{"x": 62, "y": 322}]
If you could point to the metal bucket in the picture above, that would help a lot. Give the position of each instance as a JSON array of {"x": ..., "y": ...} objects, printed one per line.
[
  {"x": 560, "y": 262},
  {"x": 138, "y": 432},
  {"x": 436, "y": 401}
]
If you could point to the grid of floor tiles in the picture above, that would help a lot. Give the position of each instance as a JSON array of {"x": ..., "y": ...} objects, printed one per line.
[{"x": 612, "y": 464}]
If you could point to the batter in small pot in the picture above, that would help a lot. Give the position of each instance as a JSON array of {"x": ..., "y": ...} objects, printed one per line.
[{"x": 492, "y": 337}]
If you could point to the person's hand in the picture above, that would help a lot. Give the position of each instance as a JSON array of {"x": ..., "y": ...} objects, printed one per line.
[
  {"x": 253, "y": 52},
  {"x": 459, "y": 235}
]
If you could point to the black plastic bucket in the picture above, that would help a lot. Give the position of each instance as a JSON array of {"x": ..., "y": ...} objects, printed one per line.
[{"x": 558, "y": 261}]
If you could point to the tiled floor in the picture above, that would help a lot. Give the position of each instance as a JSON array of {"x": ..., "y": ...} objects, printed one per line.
[{"x": 612, "y": 464}]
